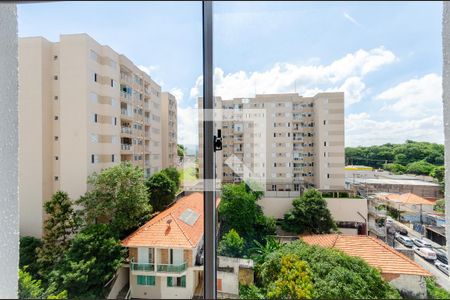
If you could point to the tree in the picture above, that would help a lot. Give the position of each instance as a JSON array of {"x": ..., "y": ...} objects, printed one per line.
[
  {"x": 309, "y": 215},
  {"x": 239, "y": 210},
  {"x": 251, "y": 292},
  {"x": 173, "y": 175},
  {"x": 440, "y": 206},
  {"x": 28, "y": 252},
  {"x": 30, "y": 288},
  {"x": 261, "y": 251},
  {"x": 420, "y": 167},
  {"x": 395, "y": 168},
  {"x": 231, "y": 245},
  {"x": 92, "y": 259},
  {"x": 434, "y": 291},
  {"x": 438, "y": 173},
  {"x": 334, "y": 274},
  {"x": 293, "y": 281},
  {"x": 62, "y": 222},
  {"x": 162, "y": 191},
  {"x": 181, "y": 151},
  {"x": 118, "y": 197}
]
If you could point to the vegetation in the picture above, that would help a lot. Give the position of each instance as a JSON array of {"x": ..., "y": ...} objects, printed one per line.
[
  {"x": 440, "y": 206},
  {"x": 239, "y": 210},
  {"x": 231, "y": 245},
  {"x": 251, "y": 292},
  {"x": 260, "y": 252},
  {"x": 92, "y": 259},
  {"x": 61, "y": 223},
  {"x": 434, "y": 290},
  {"x": 411, "y": 157},
  {"x": 173, "y": 175},
  {"x": 161, "y": 189},
  {"x": 118, "y": 197},
  {"x": 189, "y": 174},
  {"x": 30, "y": 288},
  {"x": 181, "y": 151},
  {"x": 293, "y": 281},
  {"x": 333, "y": 274},
  {"x": 309, "y": 215},
  {"x": 27, "y": 254}
]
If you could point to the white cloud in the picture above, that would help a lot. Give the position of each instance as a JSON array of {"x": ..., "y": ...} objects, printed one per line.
[
  {"x": 344, "y": 74},
  {"x": 148, "y": 69},
  {"x": 362, "y": 130},
  {"x": 187, "y": 118},
  {"x": 178, "y": 93},
  {"x": 415, "y": 98},
  {"x": 351, "y": 19}
]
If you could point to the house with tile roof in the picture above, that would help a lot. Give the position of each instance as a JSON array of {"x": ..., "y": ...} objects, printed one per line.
[
  {"x": 406, "y": 275},
  {"x": 166, "y": 256}
]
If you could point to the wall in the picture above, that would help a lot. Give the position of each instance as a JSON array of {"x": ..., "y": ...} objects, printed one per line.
[
  {"x": 120, "y": 281},
  {"x": 9, "y": 212},
  {"x": 410, "y": 286},
  {"x": 230, "y": 282}
]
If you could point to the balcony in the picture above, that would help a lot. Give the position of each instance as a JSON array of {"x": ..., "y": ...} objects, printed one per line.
[
  {"x": 126, "y": 147},
  {"x": 158, "y": 268},
  {"x": 127, "y": 130}
]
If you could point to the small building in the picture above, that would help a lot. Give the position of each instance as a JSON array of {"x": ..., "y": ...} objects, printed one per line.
[
  {"x": 406, "y": 275},
  {"x": 166, "y": 256}
]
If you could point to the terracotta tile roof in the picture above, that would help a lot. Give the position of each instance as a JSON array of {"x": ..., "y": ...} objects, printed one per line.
[
  {"x": 409, "y": 198},
  {"x": 373, "y": 251},
  {"x": 167, "y": 229}
]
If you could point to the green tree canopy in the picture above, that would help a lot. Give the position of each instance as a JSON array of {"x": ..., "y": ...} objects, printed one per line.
[
  {"x": 181, "y": 151},
  {"x": 161, "y": 190},
  {"x": 62, "y": 222},
  {"x": 239, "y": 210},
  {"x": 231, "y": 245},
  {"x": 118, "y": 196},
  {"x": 28, "y": 254},
  {"x": 440, "y": 206},
  {"x": 30, "y": 288},
  {"x": 173, "y": 175},
  {"x": 420, "y": 167},
  {"x": 438, "y": 173},
  {"x": 334, "y": 274},
  {"x": 293, "y": 281},
  {"x": 92, "y": 259},
  {"x": 309, "y": 214}
]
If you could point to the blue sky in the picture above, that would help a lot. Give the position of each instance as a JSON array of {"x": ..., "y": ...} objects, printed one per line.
[{"x": 386, "y": 57}]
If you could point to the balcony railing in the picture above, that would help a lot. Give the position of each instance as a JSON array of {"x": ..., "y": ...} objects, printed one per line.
[
  {"x": 126, "y": 147},
  {"x": 128, "y": 130},
  {"x": 163, "y": 268}
]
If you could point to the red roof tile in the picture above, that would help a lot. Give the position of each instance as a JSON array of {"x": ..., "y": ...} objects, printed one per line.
[
  {"x": 167, "y": 229},
  {"x": 373, "y": 251},
  {"x": 409, "y": 198}
]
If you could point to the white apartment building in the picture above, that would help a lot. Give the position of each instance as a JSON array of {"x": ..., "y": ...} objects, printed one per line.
[
  {"x": 287, "y": 140},
  {"x": 169, "y": 129},
  {"x": 82, "y": 108}
]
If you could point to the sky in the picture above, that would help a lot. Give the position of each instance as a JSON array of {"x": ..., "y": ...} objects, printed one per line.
[{"x": 385, "y": 56}]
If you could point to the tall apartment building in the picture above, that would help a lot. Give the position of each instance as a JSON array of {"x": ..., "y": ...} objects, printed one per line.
[
  {"x": 82, "y": 108},
  {"x": 169, "y": 129},
  {"x": 302, "y": 145}
]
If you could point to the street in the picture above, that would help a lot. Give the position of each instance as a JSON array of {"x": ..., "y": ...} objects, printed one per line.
[{"x": 441, "y": 278}]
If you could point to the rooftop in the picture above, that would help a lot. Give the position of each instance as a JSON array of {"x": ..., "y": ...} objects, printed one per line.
[
  {"x": 406, "y": 198},
  {"x": 179, "y": 226},
  {"x": 373, "y": 251},
  {"x": 390, "y": 181}
]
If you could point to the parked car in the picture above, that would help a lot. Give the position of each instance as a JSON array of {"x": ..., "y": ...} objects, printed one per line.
[
  {"x": 422, "y": 243},
  {"x": 425, "y": 252},
  {"x": 441, "y": 266},
  {"x": 441, "y": 256},
  {"x": 404, "y": 240}
]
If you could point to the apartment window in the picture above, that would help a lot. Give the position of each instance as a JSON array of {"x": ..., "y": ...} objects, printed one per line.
[
  {"x": 176, "y": 281},
  {"x": 296, "y": 187},
  {"x": 56, "y": 158},
  {"x": 95, "y": 118},
  {"x": 56, "y": 118},
  {"x": 324, "y": 143},
  {"x": 146, "y": 280},
  {"x": 56, "y": 138},
  {"x": 94, "y": 138},
  {"x": 112, "y": 82},
  {"x": 328, "y": 175},
  {"x": 56, "y": 178},
  {"x": 56, "y": 97},
  {"x": 55, "y": 77},
  {"x": 324, "y": 122},
  {"x": 95, "y": 77},
  {"x": 55, "y": 57},
  {"x": 115, "y": 121},
  {"x": 274, "y": 187},
  {"x": 92, "y": 158},
  {"x": 112, "y": 158},
  {"x": 324, "y": 154}
]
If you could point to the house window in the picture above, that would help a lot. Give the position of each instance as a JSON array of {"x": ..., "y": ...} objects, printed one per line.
[
  {"x": 146, "y": 280},
  {"x": 176, "y": 281}
]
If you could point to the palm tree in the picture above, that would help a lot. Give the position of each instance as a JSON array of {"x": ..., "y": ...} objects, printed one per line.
[{"x": 260, "y": 251}]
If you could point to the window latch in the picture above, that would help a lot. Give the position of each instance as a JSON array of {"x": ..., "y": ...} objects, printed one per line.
[{"x": 218, "y": 141}]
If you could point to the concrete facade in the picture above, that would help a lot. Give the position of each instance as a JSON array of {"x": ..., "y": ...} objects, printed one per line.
[
  {"x": 169, "y": 129},
  {"x": 303, "y": 142},
  {"x": 82, "y": 108}
]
